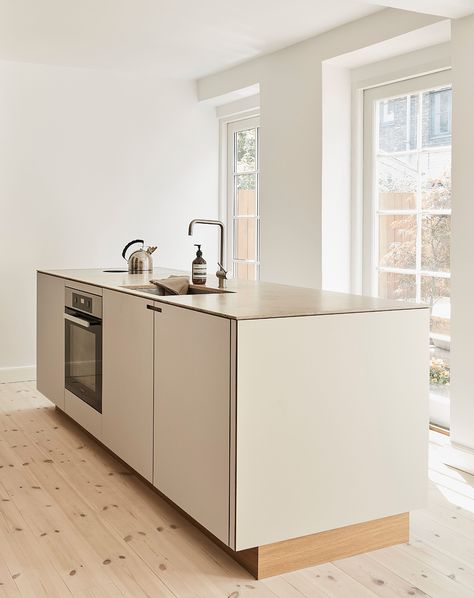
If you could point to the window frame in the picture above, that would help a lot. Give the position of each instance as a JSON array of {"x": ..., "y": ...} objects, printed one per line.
[
  {"x": 229, "y": 128},
  {"x": 439, "y": 409},
  {"x": 370, "y": 235}
]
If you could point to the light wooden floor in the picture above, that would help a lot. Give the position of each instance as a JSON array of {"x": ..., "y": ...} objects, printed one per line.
[{"x": 74, "y": 522}]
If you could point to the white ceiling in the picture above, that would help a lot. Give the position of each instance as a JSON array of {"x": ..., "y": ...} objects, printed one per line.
[
  {"x": 178, "y": 38},
  {"x": 444, "y": 8}
]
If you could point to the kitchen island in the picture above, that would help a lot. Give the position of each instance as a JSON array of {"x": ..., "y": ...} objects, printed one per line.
[{"x": 291, "y": 424}]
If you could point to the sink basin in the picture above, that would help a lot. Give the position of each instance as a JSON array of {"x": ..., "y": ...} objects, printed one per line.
[{"x": 192, "y": 290}]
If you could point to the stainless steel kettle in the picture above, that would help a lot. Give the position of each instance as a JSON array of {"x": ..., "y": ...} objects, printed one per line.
[{"x": 140, "y": 260}]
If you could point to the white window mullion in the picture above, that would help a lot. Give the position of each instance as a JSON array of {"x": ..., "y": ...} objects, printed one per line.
[
  {"x": 413, "y": 272},
  {"x": 419, "y": 221}
]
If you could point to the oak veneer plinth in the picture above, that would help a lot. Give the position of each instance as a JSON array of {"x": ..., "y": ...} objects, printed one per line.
[{"x": 323, "y": 547}]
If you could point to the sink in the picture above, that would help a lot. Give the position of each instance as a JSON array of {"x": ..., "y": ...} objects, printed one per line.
[
  {"x": 195, "y": 290},
  {"x": 192, "y": 290}
]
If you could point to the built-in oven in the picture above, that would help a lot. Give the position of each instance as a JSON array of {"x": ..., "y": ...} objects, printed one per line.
[{"x": 83, "y": 346}]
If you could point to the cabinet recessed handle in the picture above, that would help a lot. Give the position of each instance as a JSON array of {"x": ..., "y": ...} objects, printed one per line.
[{"x": 153, "y": 308}]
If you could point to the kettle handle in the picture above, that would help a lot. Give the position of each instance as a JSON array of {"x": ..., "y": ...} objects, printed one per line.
[{"x": 129, "y": 245}]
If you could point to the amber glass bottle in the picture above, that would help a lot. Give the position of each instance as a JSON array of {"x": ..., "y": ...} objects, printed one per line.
[{"x": 199, "y": 267}]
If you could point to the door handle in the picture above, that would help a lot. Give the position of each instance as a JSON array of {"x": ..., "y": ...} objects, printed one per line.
[
  {"x": 153, "y": 308},
  {"x": 79, "y": 321}
]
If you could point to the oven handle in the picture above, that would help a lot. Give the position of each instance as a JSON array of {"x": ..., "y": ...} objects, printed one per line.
[{"x": 76, "y": 320}]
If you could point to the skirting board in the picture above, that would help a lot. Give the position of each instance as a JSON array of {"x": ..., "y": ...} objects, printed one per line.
[
  {"x": 315, "y": 549},
  {"x": 20, "y": 374},
  {"x": 460, "y": 457}
]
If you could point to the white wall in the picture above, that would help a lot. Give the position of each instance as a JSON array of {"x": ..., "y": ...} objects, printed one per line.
[
  {"x": 404, "y": 66},
  {"x": 336, "y": 179},
  {"x": 291, "y": 149},
  {"x": 90, "y": 159},
  {"x": 462, "y": 244}
]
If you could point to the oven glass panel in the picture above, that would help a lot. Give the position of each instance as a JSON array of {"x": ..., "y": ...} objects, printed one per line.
[{"x": 83, "y": 364}]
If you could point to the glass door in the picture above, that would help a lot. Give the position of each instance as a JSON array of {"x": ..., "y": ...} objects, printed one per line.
[
  {"x": 83, "y": 357},
  {"x": 243, "y": 210},
  {"x": 407, "y": 209}
]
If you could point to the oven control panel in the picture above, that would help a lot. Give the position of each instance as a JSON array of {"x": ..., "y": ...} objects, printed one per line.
[
  {"x": 82, "y": 302},
  {"x": 86, "y": 303}
]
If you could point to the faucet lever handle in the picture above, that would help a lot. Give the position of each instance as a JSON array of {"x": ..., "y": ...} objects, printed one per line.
[{"x": 222, "y": 276}]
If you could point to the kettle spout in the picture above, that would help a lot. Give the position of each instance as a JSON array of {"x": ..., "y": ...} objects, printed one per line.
[{"x": 151, "y": 249}]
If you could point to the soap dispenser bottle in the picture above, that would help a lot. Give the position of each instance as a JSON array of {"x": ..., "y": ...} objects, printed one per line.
[{"x": 199, "y": 267}]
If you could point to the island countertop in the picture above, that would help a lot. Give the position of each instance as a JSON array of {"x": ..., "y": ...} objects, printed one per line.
[{"x": 244, "y": 300}]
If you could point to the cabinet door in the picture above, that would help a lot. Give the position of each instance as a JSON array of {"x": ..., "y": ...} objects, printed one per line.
[
  {"x": 332, "y": 422},
  {"x": 127, "y": 391},
  {"x": 50, "y": 338},
  {"x": 192, "y": 382}
]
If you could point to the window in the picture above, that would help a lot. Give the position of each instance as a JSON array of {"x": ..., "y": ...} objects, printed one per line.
[
  {"x": 387, "y": 113},
  {"x": 440, "y": 113},
  {"x": 243, "y": 215},
  {"x": 408, "y": 193}
]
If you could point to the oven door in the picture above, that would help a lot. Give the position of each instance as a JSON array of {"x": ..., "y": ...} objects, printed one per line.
[{"x": 83, "y": 357}]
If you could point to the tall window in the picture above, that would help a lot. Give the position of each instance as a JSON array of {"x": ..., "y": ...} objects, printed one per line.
[
  {"x": 243, "y": 197},
  {"x": 410, "y": 190}
]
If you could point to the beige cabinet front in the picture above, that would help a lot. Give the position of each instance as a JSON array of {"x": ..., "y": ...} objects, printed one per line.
[
  {"x": 192, "y": 388},
  {"x": 127, "y": 401},
  {"x": 50, "y": 338}
]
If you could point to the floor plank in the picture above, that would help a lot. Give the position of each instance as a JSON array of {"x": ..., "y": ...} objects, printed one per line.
[
  {"x": 377, "y": 577},
  {"x": 425, "y": 580},
  {"x": 75, "y": 522}
]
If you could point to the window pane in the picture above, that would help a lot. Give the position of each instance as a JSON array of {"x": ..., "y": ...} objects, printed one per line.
[
  {"x": 397, "y": 286},
  {"x": 397, "y": 128},
  {"x": 436, "y": 117},
  {"x": 245, "y": 195},
  {"x": 436, "y": 180},
  {"x": 436, "y": 292},
  {"x": 396, "y": 181},
  {"x": 245, "y": 271},
  {"x": 435, "y": 245},
  {"x": 245, "y": 230},
  {"x": 246, "y": 150},
  {"x": 397, "y": 241}
]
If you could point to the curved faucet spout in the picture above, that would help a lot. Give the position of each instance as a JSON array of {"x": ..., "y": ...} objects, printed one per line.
[{"x": 221, "y": 243}]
